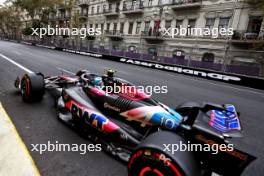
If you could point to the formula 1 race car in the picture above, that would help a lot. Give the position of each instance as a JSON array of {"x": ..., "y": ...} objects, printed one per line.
[{"x": 192, "y": 139}]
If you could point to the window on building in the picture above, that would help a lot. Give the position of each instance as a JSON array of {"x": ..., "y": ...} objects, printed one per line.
[
  {"x": 163, "y": 2},
  {"x": 254, "y": 25},
  {"x": 121, "y": 28},
  {"x": 96, "y": 25},
  {"x": 108, "y": 26},
  {"x": 91, "y": 25},
  {"x": 152, "y": 51},
  {"x": 133, "y": 4},
  {"x": 224, "y": 23},
  {"x": 110, "y": 7},
  {"x": 192, "y": 23},
  {"x": 116, "y": 47},
  {"x": 178, "y": 54},
  {"x": 63, "y": 14},
  {"x": 210, "y": 23},
  {"x": 92, "y": 12},
  {"x": 104, "y": 8},
  {"x": 138, "y": 27},
  {"x": 102, "y": 26},
  {"x": 167, "y": 24},
  {"x": 149, "y": 2},
  {"x": 178, "y": 23},
  {"x": 98, "y": 9},
  {"x": 85, "y": 11},
  {"x": 115, "y": 27},
  {"x": 130, "y": 28},
  {"x": 147, "y": 25},
  {"x": 125, "y": 5},
  {"x": 117, "y": 7},
  {"x": 208, "y": 57},
  {"x": 132, "y": 48}
]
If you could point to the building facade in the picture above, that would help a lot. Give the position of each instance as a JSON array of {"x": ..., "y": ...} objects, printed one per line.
[{"x": 134, "y": 26}]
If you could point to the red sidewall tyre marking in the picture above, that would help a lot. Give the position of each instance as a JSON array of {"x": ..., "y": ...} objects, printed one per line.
[{"x": 148, "y": 169}]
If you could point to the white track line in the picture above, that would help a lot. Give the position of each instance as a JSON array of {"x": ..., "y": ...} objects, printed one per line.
[{"x": 15, "y": 63}]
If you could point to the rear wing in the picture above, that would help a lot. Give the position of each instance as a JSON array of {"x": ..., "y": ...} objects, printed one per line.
[
  {"x": 214, "y": 125},
  {"x": 219, "y": 121}
]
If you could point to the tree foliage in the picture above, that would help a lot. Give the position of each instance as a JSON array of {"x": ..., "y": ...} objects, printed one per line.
[
  {"x": 15, "y": 12},
  {"x": 36, "y": 8},
  {"x": 10, "y": 20}
]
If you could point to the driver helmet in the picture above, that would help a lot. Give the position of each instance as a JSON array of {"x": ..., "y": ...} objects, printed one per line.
[
  {"x": 97, "y": 82},
  {"x": 110, "y": 73}
]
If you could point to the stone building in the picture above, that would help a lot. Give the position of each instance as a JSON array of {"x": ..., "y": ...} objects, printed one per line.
[{"x": 132, "y": 26}]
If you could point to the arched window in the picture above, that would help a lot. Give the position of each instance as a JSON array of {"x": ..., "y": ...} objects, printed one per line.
[
  {"x": 132, "y": 48},
  {"x": 178, "y": 54},
  {"x": 115, "y": 47},
  {"x": 152, "y": 51},
  {"x": 208, "y": 57}
]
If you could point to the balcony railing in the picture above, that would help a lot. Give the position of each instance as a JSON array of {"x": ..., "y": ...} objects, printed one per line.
[
  {"x": 246, "y": 36},
  {"x": 111, "y": 12},
  {"x": 63, "y": 17},
  {"x": 82, "y": 3},
  {"x": 61, "y": 7},
  {"x": 180, "y": 4},
  {"x": 84, "y": 15},
  {"x": 53, "y": 18},
  {"x": 153, "y": 35},
  {"x": 114, "y": 33},
  {"x": 135, "y": 7}
]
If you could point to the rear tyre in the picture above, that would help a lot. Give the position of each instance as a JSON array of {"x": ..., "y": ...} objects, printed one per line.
[
  {"x": 32, "y": 87},
  {"x": 151, "y": 158}
]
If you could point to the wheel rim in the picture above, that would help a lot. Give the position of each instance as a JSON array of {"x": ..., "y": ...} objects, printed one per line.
[
  {"x": 152, "y": 163},
  {"x": 147, "y": 171},
  {"x": 25, "y": 89}
]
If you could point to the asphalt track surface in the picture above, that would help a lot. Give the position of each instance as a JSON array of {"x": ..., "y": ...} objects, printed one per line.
[{"x": 37, "y": 123}]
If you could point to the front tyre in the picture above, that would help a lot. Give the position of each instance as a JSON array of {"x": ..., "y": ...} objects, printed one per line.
[
  {"x": 32, "y": 87},
  {"x": 150, "y": 158}
]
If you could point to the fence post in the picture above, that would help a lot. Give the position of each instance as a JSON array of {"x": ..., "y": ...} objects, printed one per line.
[
  {"x": 124, "y": 50},
  {"x": 225, "y": 57},
  {"x": 141, "y": 46},
  {"x": 110, "y": 48}
]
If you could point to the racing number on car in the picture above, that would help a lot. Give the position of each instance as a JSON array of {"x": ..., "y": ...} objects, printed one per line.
[{"x": 168, "y": 123}]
